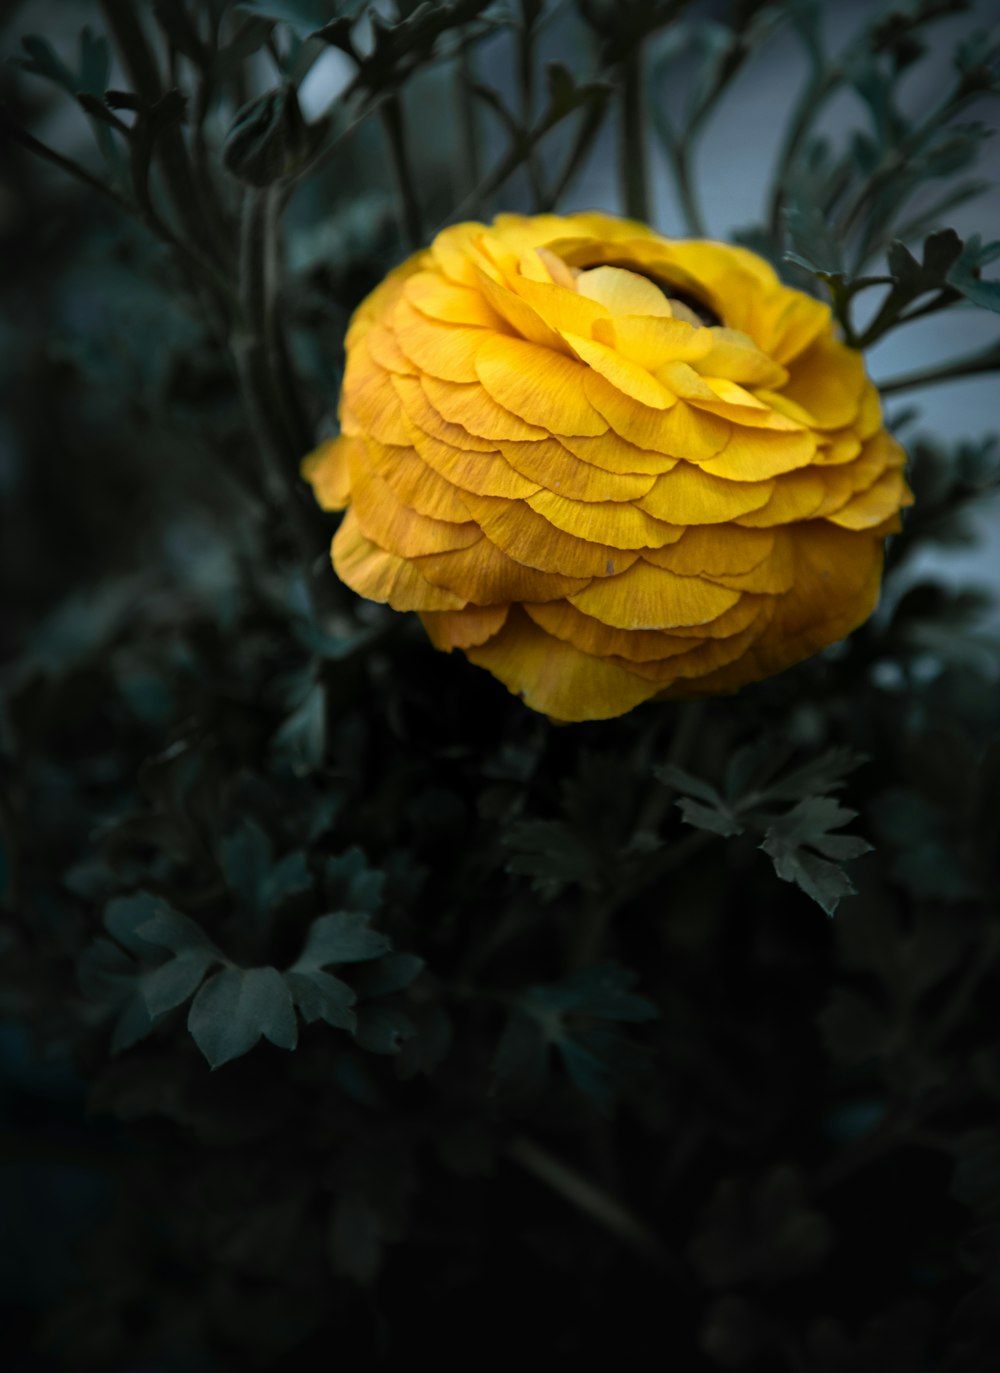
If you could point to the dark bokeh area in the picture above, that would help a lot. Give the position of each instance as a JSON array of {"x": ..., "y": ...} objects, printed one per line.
[{"x": 596, "y": 1078}]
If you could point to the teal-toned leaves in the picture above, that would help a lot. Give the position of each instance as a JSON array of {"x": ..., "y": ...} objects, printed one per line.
[
  {"x": 90, "y": 75},
  {"x": 965, "y": 275},
  {"x": 237, "y": 1007},
  {"x": 259, "y": 881},
  {"x": 553, "y": 855},
  {"x": 805, "y": 849},
  {"x": 343, "y": 937},
  {"x": 566, "y": 1017},
  {"x": 799, "y": 840}
]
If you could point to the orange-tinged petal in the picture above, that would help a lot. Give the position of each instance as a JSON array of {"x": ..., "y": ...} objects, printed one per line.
[
  {"x": 447, "y": 351},
  {"x": 626, "y": 376},
  {"x": 617, "y": 523},
  {"x": 540, "y": 387},
  {"x": 484, "y": 575},
  {"x": 772, "y": 575},
  {"x": 614, "y": 454},
  {"x": 448, "y": 629},
  {"x": 474, "y": 410},
  {"x": 396, "y": 527},
  {"x": 485, "y": 474},
  {"x": 758, "y": 454},
  {"x": 553, "y": 467},
  {"x": 327, "y": 469},
  {"x": 680, "y": 432},
  {"x": 798, "y": 320},
  {"x": 841, "y": 447},
  {"x": 564, "y": 621},
  {"x": 370, "y": 399},
  {"x": 690, "y": 495},
  {"x": 530, "y": 539},
  {"x": 709, "y": 655},
  {"x": 384, "y": 349},
  {"x": 381, "y": 576},
  {"x": 827, "y": 380},
  {"x": 416, "y": 484},
  {"x": 555, "y": 677},
  {"x": 443, "y": 300},
  {"x": 871, "y": 507},
  {"x": 796, "y": 496},
  {"x": 417, "y": 410},
  {"x": 710, "y": 550},
  {"x": 836, "y": 587},
  {"x": 648, "y": 597}
]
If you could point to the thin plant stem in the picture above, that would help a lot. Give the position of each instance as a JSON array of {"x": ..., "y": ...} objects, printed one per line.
[
  {"x": 973, "y": 364},
  {"x": 525, "y": 75},
  {"x": 809, "y": 104},
  {"x": 590, "y": 127},
  {"x": 469, "y": 130},
  {"x": 392, "y": 123},
  {"x": 596, "y": 1204},
  {"x": 680, "y": 155},
  {"x": 632, "y": 152},
  {"x": 196, "y": 212}
]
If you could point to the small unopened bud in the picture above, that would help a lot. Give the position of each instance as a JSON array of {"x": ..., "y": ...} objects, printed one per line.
[{"x": 269, "y": 139}]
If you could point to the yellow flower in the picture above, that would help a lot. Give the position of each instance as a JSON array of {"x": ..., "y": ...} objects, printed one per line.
[{"x": 607, "y": 465}]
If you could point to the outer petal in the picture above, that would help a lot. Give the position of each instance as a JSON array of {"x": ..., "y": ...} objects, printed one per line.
[
  {"x": 327, "y": 470},
  {"x": 555, "y": 677},
  {"x": 381, "y": 576},
  {"x": 647, "y": 597}
]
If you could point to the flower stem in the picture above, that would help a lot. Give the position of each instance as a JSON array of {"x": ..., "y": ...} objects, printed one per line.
[
  {"x": 392, "y": 123},
  {"x": 987, "y": 360},
  {"x": 632, "y": 151},
  {"x": 680, "y": 163},
  {"x": 195, "y": 211}
]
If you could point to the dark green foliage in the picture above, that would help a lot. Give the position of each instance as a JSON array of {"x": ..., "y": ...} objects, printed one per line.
[{"x": 349, "y": 1011}]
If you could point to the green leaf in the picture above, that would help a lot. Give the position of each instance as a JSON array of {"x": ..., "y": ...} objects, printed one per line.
[
  {"x": 320, "y": 996},
  {"x": 236, "y": 1007},
  {"x": 552, "y": 855},
  {"x": 125, "y": 917},
  {"x": 804, "y": 852},
  {"x": 603, "y": 991},
  {"x": 251, "y": 872},
  {"x": 351, "y": 885},
  {"x": 169, "y": 985},
  {"x": 89, "y": 78},
  {"x": 672, "y": 776},
  {"x": 560, "y": 1016},
  {"x": 966, "y": 274},
  {"x": 305, "y": 16},
  {"x": 341, "y": 937},
  {"x": 717, "y": 821}
]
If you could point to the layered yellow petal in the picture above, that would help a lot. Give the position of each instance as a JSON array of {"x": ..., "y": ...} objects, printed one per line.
[
  {"x": 557, "y": 678},
  {"x": 648, "y": 597},
  {"x": 540, "y": 387}
]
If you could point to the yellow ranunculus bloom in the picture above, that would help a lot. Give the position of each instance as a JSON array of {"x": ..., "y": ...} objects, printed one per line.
[{"x": 607, "y": 465}]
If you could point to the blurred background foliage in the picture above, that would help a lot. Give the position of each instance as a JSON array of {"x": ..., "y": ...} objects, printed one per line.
[{"x": 532, "y": 1038}]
